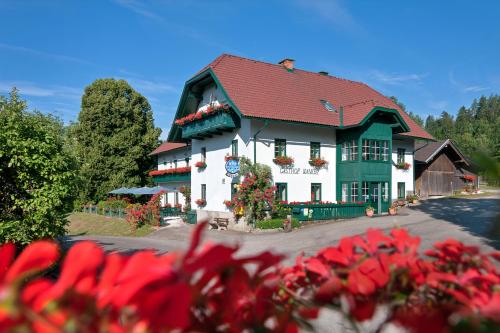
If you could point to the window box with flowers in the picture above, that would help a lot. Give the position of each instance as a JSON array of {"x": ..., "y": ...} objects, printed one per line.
[
  {"x": 283, "y": 160},
  {"x": 317, "y": 162},
  {"x": 173, "y": 174},
  {"x": 200, "y": 165},
  {"x": 201, "y": 202},
  {"x": 403, "y": 166}
]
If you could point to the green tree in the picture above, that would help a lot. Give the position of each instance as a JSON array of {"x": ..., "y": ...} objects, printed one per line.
[
  {"x": 113, "y": 137},
  {"x": 36, "y": 173},
  {"x": 415, "y": 117}
]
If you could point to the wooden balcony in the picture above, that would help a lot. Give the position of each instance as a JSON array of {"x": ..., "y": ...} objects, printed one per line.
[
  {"x": 215, "y": 124},
  {"x": 174, "y": 177}
]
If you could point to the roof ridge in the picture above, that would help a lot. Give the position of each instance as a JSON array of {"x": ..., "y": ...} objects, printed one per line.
[{"x": 278, "y": 65}]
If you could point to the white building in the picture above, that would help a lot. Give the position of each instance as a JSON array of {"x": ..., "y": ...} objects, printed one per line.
[{"x": 242, "y": 107}]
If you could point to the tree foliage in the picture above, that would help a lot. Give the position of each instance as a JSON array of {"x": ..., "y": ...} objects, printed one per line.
[
  {"x": 114, "y": 135},
  {"x": 474, "y": 128},
  {"x": 37, "y": 173}
]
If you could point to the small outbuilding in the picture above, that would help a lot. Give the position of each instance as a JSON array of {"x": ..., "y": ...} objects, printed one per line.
[{"x": 441, "y": 169}]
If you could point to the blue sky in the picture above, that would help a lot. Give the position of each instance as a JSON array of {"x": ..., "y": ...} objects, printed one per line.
[{"x": 432, "y": 55}]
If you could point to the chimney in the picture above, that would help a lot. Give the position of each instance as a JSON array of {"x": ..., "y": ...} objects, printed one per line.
[
  {"x": 287, "y": 63},
  {"x": 323, "y": 73}
]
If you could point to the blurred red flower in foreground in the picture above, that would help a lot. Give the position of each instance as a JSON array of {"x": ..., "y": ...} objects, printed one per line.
[{"x": 209, "y": 288}]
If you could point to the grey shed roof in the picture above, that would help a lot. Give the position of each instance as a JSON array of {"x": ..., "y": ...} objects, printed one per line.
[{"x": 426, "y": 151}]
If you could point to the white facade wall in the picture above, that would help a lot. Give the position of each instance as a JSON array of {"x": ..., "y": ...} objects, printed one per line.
[
  {"x": 211, "y": 95},
  {"x": 218, "y": 185},
  {"x": 399, "y": 175},
  {"x": 299, "y": 138},
  {"x": 166, "y": 160}
]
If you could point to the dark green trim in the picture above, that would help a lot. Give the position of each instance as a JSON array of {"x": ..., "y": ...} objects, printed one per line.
[
  {"x": 299, "y": 123},
  {"x": 404, "y": 190},
  {"x": 176, "y": 177},
  {"x": 174, "y": 135},
  {"x": 275, "y": 146}
]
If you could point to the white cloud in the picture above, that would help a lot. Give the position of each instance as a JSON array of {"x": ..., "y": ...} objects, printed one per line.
[
  {"x": 332, "y": 11},
  {"x": 464, "y": 87},
  {"x": 148, "y": 86},
  {"x": 32, "y": 89},
  {"x": 44, "y": 54},
  {"x": 138, "y": 7},
  {"x": 395, "y": 79}
]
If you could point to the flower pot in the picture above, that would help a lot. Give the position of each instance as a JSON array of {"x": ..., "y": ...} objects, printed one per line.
[
  {"x": 392, "y": 211},
  {"x": 370, "y": 212}
]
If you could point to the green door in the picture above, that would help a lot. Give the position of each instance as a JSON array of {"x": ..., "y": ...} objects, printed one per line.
[
  {"x": 375, "y": 202},
  {"x": 379, "y": 197}
]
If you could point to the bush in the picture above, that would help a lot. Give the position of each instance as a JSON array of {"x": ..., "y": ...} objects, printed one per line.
[
  {"x": 113, "y": 203},
  {"x": 37, "y": 174},
  {"x": 276, "y": 223}
]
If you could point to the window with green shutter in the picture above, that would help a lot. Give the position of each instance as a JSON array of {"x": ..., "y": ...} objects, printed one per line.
[
  {"x": 234, "y": 148},
  {"x": 315, "y": 150},
  {"x": 401, "y": 191},
  {"x": 279, "y": 147},
  {"x": 282, "y": 191},
  {"x": 401, "y": 156},
  {"x": 315, "y": 192}
]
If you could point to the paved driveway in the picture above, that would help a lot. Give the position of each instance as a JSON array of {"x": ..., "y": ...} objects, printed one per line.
[{"x": 469, "y": 220}]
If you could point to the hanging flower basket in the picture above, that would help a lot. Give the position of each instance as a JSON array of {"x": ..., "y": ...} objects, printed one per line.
[
  {"x": 403, "y": 166},
  {"x": 230, "y": 157},
  {"x": 283, "y": 160},
  {"x": 201, "y": 165},
  {"x": 201, "y": 202},
  {"x": 317, "y": 162},
  {"x": 228, "y": 203}
]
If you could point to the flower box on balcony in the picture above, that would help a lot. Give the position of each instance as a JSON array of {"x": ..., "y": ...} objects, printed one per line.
[
  {"x": 403, "y": 166},
  {"x": 317, "y": 162},
  {"x": 206, "y": 123},
  {"x": 168, "y": 175},
  {"x": 283, "y": 160}
]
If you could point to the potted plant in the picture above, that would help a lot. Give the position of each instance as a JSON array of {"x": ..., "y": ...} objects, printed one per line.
[
  {"x": 370, "y": 211},
  {"x": 201, "y": 202},
  {"x": 393, "y": 209},
  {"x": 283, "y": 160},
  {"x": 201, "y": 164},
  {"x": 412, "y": 198}
]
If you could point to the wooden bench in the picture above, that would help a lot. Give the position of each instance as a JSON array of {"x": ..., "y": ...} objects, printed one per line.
[{"x": 219, "y": 223}]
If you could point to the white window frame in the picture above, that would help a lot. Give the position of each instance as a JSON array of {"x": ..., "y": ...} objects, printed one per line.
[
  {"x": 354, "y": 191},
  {"x": 345, "y": 191}
]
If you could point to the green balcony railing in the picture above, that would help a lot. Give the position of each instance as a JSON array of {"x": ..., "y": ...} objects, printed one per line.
[
  {"x": 312, "y": 212},
  {"x": 213, "y": 124},
  {"x": 175, "y": 177}
]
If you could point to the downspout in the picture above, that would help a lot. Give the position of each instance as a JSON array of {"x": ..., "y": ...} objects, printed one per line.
[
  {"x": 341, "y": 116},
  {"x": 266, "y": 123}
]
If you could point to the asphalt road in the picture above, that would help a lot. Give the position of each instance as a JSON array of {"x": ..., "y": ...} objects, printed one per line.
[{"x": 471, "y": 221}]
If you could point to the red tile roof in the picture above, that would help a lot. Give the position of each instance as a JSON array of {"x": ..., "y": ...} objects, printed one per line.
[
  {"x": 167, "y": 146},
  {"x": 265, "y": 90}
]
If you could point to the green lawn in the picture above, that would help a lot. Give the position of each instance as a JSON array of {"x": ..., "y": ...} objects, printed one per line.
[
  {"x": 93, "y": 224},
  {"x": 477, "y": 195}
]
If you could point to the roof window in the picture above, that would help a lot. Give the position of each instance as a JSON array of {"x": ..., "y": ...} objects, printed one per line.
[{"x": 328, "y": 105}]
